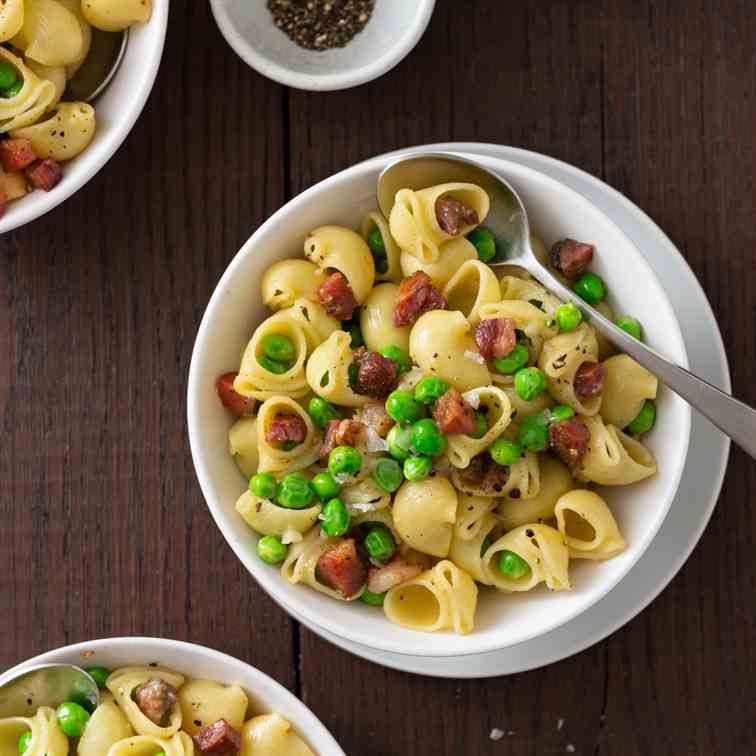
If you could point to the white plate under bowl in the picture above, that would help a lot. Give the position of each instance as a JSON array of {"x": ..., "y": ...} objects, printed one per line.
[
  {"x": 704, "y": 469},
  {"x": 265, "y": 694},
  {"x": 116, "y": 111},
  {"x": 501, "y": 620}
]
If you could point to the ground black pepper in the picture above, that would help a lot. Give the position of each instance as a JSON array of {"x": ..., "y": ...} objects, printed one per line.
[{"x": 321, "y": 24}]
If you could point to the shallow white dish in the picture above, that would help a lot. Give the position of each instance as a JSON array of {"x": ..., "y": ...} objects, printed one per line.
[
  {"x": 395, "y": 27},
  {"x": 116, "y": 111},
  {"x": 700, "y": 484},
  {"x": 265, "y": 694},
  {"x": 502, "y": 619}
]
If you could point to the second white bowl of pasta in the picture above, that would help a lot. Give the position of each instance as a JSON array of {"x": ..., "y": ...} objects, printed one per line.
[{"x": 497, "y": 467}]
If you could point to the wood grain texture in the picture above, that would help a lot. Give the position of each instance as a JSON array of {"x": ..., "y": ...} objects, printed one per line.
[{"x": 105, "y": 530}]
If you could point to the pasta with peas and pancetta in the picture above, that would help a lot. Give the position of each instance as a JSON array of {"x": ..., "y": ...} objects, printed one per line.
[
  {"x": 152, "y": 711},
  {"x": 43, "y": 44},
  {"x": 435, "y": 428}
]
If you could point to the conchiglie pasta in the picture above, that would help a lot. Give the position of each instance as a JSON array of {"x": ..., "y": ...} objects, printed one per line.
[
  {"x": 346, "y": 251},
  {"x": 11, "y": 18},
  {"x": 86, "y": 34},
  {"x": 106, "y": 726},
  {"x": 467, "y": 553},
  {"x": 533, "y": 322},
  {"x": 32, "y": 100},
  {"x": 278, "y": 460},
  {"x": 442, "y": 598},
  {"x": 520, "y": 407},
  {"x": 555, "y": 480},
  {"x": 424, "y": 513},
  {"x": 471, "y": 513},
  {"x": 271, "y": 735},
  {"x": 267, "y": 518},
  {"x": 524, "y": 477},
  {"x": 47, "y": 739},
  {"x": 378, "y": 330},
  {"x": 50, "y": 34},
  {"x": 560, "y": 359},
  {"x": 328, "y": 371},
  {"x": 122, "y": 683},
  {"x": 204, "y": 702},
  {"x": 441, "y": 345},
  {"x": 471, "y": 287},
  {"x": 116, "y": 15},
  {"x": 375, "y": 220},
  {"x": 613, "y": 458},
  {"x": 63, "y": 136},
  {"x": 56, "y": 75},
  {"x": 588, "y": 526},
  {"x": 626, "y": 388},
  {"x": 451, "y": 257},
  {"x": 529, "y": 290},
  {"x": 364, "y": 497},
  {"x": 289, "y": 280},
  {"x": 413, "y": 221},
  {"x": 242, "y": 443},
  {"x": 179, "y": 744}
]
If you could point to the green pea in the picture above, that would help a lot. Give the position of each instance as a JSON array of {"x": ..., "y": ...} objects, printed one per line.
[
  {"x": 24, "y": 742},
  {"x": 534, "y": 432},
  {"x": 590, "y": 288},
  {"x": 399, "y": 441},
  {"x": 561, "y": 412},
  {"x": 568, "y": 317},
  {"x": 278, "y": 348},
  {"x": 334, "y": 519},
  {"x": 353, "y": 371},
  {"x": 515, "y": 360},
  {"x": 277, "y": 368},
  {"x": 379, "y": 543},
  {"x": 325, "y": 486},
  {"x": 263, "y": 485},
  {"x": 372, "y": 599},
  {"x": 7, "y": 75},
  {"x": 483, "y": 241},
  {"x": 271, "y": 550},
  {"x": 160, "y": 753},
  {"x": 512, "y": 565},
  {"x": 427, "y": 438},
  {"x": 378, "y": 250},
  {"x": 13, "y": 89},
  {"x": 322, "y": 412},
  {"x": 630, "y": 325},
  {"x": 99, "y": 675},
  {"x": 352, "y": 327},
  {"x": 417, "y": 468},
  {"x": 487, "y": 541},
  {"x": 645, "y": 419},
  {"x": 529, "y": 383},
  {"x": 481, "y": 426},
  {"x": 396, "y": 355},
  {"x": 388, "y": 474},
  {"x": 72, "y": 718},
  {"x": 344, "y": 460},
  {"x": 402, "y": 407},
  {"x": 505, "y": 452},
  {"x": 294, "y": 492},
  {"x": 430, "y": 389}
]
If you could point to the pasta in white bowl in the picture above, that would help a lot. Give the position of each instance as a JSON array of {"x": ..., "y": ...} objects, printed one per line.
[
  {"x": 452, "y": 390},
  {"x": 161, "y": 696}
]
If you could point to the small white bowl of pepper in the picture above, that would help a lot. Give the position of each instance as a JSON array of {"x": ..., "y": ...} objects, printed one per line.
[{"x": 322, "y": 45}]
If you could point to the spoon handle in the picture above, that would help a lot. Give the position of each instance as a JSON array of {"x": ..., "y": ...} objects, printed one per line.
[{"x": 733, "y": 417}]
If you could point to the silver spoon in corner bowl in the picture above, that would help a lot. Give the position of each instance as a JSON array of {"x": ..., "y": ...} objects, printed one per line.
[
  {"x": 99, "y": 67},
  {"x": 23, "y": 691},
  {"x": 508, "y": 221}
]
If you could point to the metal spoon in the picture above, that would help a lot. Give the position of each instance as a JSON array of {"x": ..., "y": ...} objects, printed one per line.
[
  {"x": 508, "y": 221},
  {"x": 101, "y": 65},
  {"x": 22, "y": 692}
]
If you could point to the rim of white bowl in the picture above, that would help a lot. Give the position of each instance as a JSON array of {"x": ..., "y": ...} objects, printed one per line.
[
  {"x": 305, "y": 721},
  {"x": 323, "y": 82},
  {"x": 268, "y": 582},
  {"x": 35, "y": 204}
]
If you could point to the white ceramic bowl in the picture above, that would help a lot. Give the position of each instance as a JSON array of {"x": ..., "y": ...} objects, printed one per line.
[
  {"x": 116, "y": 112},
  {"x": 502, "y": 619},
  {"x": 393, "y": 30},
  {"x": 265, "y": 694}
]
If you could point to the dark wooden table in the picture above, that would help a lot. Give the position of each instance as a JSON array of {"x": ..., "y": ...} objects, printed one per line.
[{"x": 104, "y": 530}]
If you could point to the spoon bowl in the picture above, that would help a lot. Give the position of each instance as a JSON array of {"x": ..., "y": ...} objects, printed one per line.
[
  {"x": 508, "y": 221},
  {"x": 22, "y": 692},
  {"x": 101, "y": 65}
]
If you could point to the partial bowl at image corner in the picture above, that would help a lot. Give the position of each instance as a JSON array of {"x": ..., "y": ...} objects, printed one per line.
[
  {"x": 265, "y": 694},
  {"x": 502, "y": 620},
  {"x": 393, "y": 30},
  {"x": 117, "y": 110}
]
